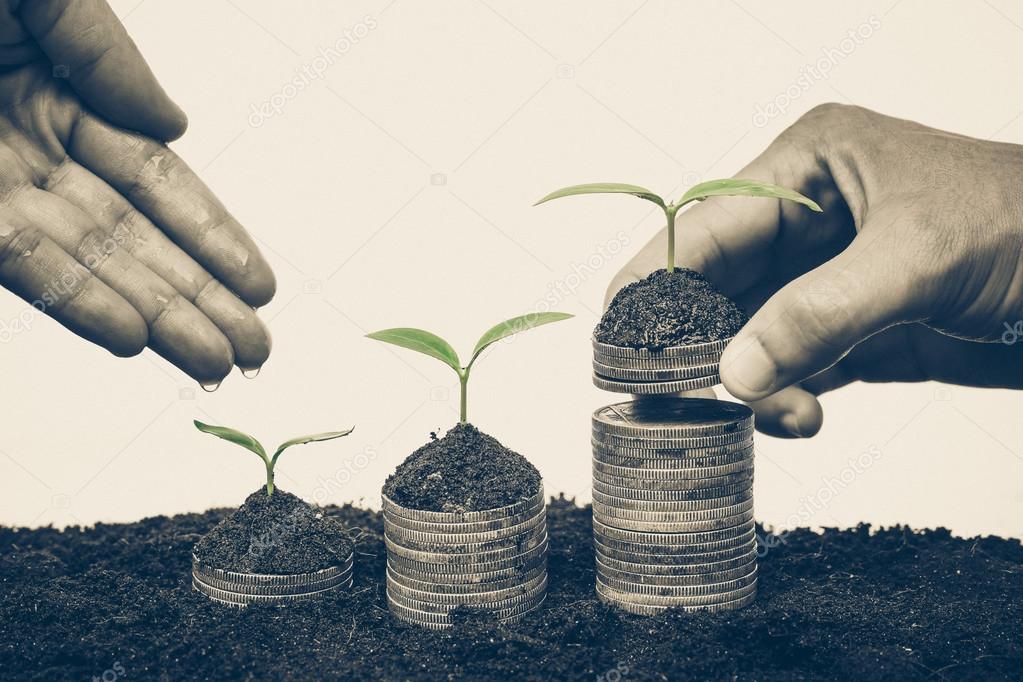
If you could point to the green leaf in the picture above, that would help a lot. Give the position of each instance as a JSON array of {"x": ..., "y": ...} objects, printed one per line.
[
  {"x": 738, "y": 187},
  {"x": 236, "y": 437},
  {"x": 604, "y": 188},
  {"x": 315, "y": 438},
  {"x": 514, "y": 326},
  {"x": 422, "y": 342}
]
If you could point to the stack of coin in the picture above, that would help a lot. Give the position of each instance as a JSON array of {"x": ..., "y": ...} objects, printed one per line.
[
  {"x": 241, "y": 589},
  {"x": 493, "y": 561},
  {"x": 673, "y": 505},
  {"x": 641, "y": 371}
]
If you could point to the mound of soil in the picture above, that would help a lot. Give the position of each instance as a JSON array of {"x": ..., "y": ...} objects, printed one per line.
[
  {"x": 276, "y": 534},
  {"x": 115, "y": 600},
  {"x": 466, "y": 470},
  {"x": 669, "y": 309}
]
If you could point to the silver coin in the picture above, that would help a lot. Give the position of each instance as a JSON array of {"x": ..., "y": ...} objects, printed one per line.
[
  {"x": 610, "y": 534},
  {"x": 429, "y": 562},
  {"x": 491, "y": 597},
  {"x": 681, "y": 418},
  {"x": 674, "y": 456},
  {"x": 250, "y": 588},
  {"x": 671, "y": 495},
  {"x": 709, "y": 504},
  {"x": 688, "y": 600},
  {"x": 675, "y": 526},
  {"x": 468, "y": 527},
  {"x": 269, "y": 579},
  {"x": 654, "y": 387},
  {"x": 674, "y": 374},
  {"x": 531, "y": 597},
  {"x": 656, "y": 363},
  {"x": 428, "y": 584},
  {"x": 690, "y": 350},
  {"x": 619, "y": 441},
  {"x": 651, "y": 610},
  {"x": 677, "y": 484},
  {"x": 440, "y": 621},
  {"x": 470, "y": 577},
  {"x": 241, "y": 599},
  {"x": 705, "y": 578},
  {"x": 672, "y": 474},
  {"x": 686, "y": 516},
  {"x": 514, "y": 509},
  {"x": 637, "y": 566},
  {"x": 707, "y": 589},
  {"x": 434, "y": 546},
  {"x": 675, "y": 464},
  {"x": 406, "y": 535},
  {"x": 671, "y": 556},
  {"x": 643, "y": 550}
]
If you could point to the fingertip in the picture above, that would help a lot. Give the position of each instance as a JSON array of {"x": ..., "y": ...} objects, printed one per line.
[
  {"x": 805, "y": 419},
  {"x": 175, "y": 123},
  {"x": 747, "y": 370},
  {"x": 260, "y": 284},
  {"x": 131, "y": 334}
]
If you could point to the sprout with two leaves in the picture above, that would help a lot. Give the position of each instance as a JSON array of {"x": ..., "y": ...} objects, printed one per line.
[
  {"x": 712, "y": 188},
  {"x": 250, "y": 443},
  {"x": 430, "y": 344}
]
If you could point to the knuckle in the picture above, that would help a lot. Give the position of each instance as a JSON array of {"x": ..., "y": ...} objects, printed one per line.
[
  {"x": 821, "y": 315},
  {"x": 18, "y": 241}
]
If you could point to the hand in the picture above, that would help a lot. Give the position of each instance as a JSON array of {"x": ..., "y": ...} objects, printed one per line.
[
  {"x": 107, "y": 230},
  {"x": 911, "y": 273}
]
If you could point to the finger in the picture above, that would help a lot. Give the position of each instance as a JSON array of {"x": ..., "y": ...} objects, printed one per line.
[
  {"x": 157, "y": 182},
  {"x": 38, "y": 270},
  {"x": 811, "y": 323},
  {"x": 792, "y": 412},
  {"x": 177, "y": 330},
  {"x": 103, "y": 64},
  {"x": 151, "y": 247}
]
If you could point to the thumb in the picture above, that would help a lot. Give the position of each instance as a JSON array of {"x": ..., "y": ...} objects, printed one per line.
[
  {"x": 812, "y": 322},
  {"x": 86, "y": 42}
]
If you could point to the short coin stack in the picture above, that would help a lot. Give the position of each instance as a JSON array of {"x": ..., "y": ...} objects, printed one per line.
[
  {"x": 241, "y": 589},
  {"x": 673, "y": 505},
  {"x": 644, "y": 372},
  {"x": 493, "y": 561}
]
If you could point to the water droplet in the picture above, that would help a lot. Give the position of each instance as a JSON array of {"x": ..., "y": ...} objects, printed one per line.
[
  {"x": 26, "y": 254},
  {"x": 250, "y": 372},
  {"x": 210, "y": 386}
]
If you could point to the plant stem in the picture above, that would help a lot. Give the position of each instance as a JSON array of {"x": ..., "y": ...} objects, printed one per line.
[
  {"x": 669, "y": 212},
  {"x": 463, "y": 380},
  {"x": 269, "y": 479}
]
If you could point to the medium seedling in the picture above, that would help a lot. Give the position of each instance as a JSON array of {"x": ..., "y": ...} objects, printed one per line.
[
  {"x": 250, "y": 443},
  {"x": 712, "y": 188},
  {"x": 430, "y": 344}
]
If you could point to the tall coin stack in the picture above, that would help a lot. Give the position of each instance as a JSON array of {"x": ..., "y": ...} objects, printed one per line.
[
  {"x": 493, "y": 560},
  {"x": 241, "y": 589},
  {"x": 673, "y": 505},
  {"x": 644, "y": 372}
]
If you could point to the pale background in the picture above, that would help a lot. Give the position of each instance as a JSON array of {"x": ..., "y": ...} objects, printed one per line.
[{"x": 395, "y": 189}]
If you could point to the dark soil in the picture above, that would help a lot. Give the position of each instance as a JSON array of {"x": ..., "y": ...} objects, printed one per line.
[
  {"x": 894, "y": 605},
  {"x": 466, "y": 470},
  {"x": 669, "y": 309},
  {"x": 275, "y": 534}
]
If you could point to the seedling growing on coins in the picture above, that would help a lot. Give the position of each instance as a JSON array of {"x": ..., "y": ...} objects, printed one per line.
[{"x": 253, "y": 445}]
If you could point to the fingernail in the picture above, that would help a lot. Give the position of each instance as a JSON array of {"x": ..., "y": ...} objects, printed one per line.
[
  {"x": 753, "y": 369},
  {"x": 790, "y": 422}
]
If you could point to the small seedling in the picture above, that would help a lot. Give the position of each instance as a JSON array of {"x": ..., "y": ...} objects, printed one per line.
[
  {"x": 250, "y": 443},
  {"x": 436, "y": 347},
  {"x": 712, "y": 188}
]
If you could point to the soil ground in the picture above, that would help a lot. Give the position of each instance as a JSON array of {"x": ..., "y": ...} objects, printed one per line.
[{"x": 114, "y": 601}]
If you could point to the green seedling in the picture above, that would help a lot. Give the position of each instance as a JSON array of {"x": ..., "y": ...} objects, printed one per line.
[
  {"x": 712, "y": 188},
  {"x": 430, "y": 344},
  {"x": 250, "y": 443}
]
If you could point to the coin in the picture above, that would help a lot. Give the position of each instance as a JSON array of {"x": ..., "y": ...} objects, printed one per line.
[
  {"x": 677, "y": 484},
  {"x": 705, "y": 578},
  {"x": 691, "y": 516},
  {"x": 250, "y": 588},
  {"x": 641, "y": 442},
  {"x": 241, "y": 599},
  {"x": 534, "y": 594},
  {"x": 654, "y": 387},
  {"x": 666, "y": 374},
  {"x": 675, "y": 526},
  {"x": 463, "y": 517},
  {"x": 671, "y": 495},
  {"x": 669, "y": 352},
  {"x": 674, "y": 456},
  {"x": 711, "y": 539},
  {"x": 705, "y": 589},
  {"x": 672, "y": 474},
  {"x": 467, "y": 553},
  {"x": 426, "y": 582},
  {"x": 709, "y": 504},
  {"x": 652, "y": 610},
  {"x": 446, "y": 527},
  {"x": 677, "y": 569},
  {"x": 673, "y": 418},
  {"x": 467, "y": 563},
  {"x": 269, "y": 579},
  {"x": 453, "y": 547},
  {"x": 673, "y": 556},
  {"x": 656, "y": 363},
  {"x": 488, "y": 597},
  {"x": 440, "y": 621},
  {"x": 469, "y": 576},
  {"x": 406, "y": 535},
  {"x": 674, "y": 463},
  {"x": 671, "y": 601}
]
